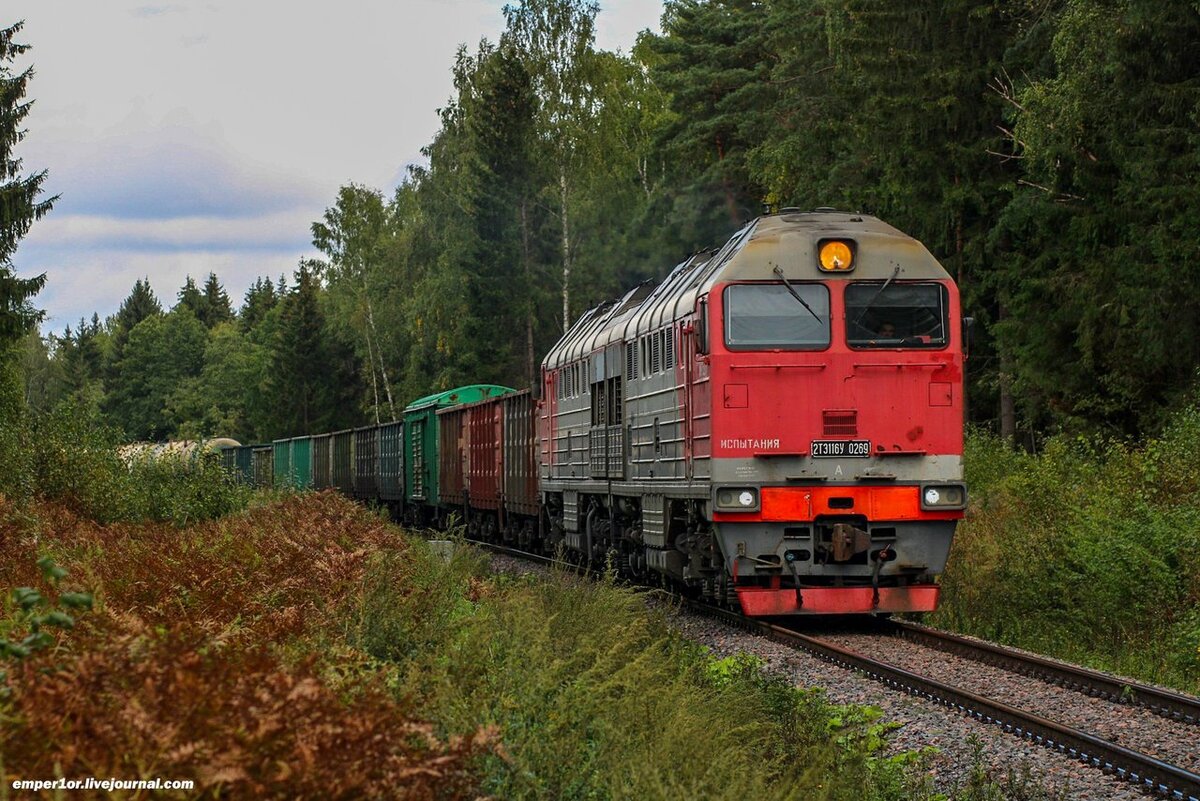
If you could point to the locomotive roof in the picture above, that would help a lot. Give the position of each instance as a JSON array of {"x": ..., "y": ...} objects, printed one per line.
[{"x": 787, "y": 240}]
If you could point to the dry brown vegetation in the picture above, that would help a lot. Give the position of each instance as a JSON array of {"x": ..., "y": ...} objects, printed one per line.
[{"x": 206, "y": 658}]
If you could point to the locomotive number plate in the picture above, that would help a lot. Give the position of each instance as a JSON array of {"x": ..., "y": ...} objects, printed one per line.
[{"x": 841, "y": 448}]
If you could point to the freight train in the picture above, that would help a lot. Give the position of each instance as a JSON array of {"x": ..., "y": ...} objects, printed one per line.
[{"x": 777, "y": 426}]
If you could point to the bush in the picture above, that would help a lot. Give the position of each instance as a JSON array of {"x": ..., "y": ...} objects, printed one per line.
[
  {"x": 74, "y": 460},
  {"x": 1088, "y": 551}
]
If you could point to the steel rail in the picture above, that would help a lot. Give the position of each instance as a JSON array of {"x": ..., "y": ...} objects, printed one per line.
[
  {"x": 1174, "y": 706},
  {"x": 1146, "y": 772}
]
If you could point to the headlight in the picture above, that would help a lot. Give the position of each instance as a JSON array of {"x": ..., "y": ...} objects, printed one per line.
[
  {"x": 944, "y": 496},
  {"x": 739, "y": 499}
]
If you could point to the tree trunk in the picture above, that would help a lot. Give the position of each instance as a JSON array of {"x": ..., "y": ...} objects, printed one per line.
[
  {"x": 387, "y": 384},
  {"x": 530, "y": 364},
  {"x": 1008, "y": 412},
  {"x": 374, "y": 384},
  {"x": 566, "y": 251}
]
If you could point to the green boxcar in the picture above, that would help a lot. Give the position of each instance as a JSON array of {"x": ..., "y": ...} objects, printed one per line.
[
  {"x": 366, "y": 462},
  {"x": 229, "y": 459},
  {"x": 302, "y": 468},
  {"x": 342, "y": 467},
  {"x": 321, "y": 461},
  {"x": 283, "y": 463},
  {"x": 244, "y": 462},
  {"x": 421, "y": 438},
  {"x": 391, "y": 461},
  {"x": 264, "y": 470}
]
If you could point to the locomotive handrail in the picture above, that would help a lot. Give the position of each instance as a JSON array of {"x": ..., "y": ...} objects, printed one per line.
[
  {"x": 898, "y": 365},
  {"x": 777, "y": 366}
]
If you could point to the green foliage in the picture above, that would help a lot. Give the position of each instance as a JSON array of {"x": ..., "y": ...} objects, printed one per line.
[
  {"x": 713, "y": 62},
  {"x": 74, "y": 460},
  {"x": 596, "y": 698},
  {"x": 1095, "y": 248},
  {"x": 1046, "y": 153},
  {"x": 162, "y": 352},
  {"x": 27, "y": 623},
  {"x": 312, "y": 379},
  {"x": 1086, "y": 551},
  {"x": 225, "y": 399}
]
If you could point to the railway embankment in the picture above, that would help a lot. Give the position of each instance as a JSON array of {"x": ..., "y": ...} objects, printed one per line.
[{"x": 305, "y": 648}]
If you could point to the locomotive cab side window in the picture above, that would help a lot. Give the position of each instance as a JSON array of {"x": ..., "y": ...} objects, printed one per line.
[
  {"x": 768, "y": 316},
  {"x": 880, "y": 315}
]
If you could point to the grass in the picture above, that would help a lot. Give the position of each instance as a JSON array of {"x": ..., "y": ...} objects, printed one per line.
[{"x": 594, "y": 697}]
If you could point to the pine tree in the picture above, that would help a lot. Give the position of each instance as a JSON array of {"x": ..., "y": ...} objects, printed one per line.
[
  {"x": 192, "y": 299},
  {"x": 81, "y": 354},
  {"x": 137, "y": 306}
]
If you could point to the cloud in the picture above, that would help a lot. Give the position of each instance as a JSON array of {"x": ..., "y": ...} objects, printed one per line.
[
  {"x": 81, "y": 232},
  {"x": 175, "y": 169},
  {"x": 154, "y": 11}
]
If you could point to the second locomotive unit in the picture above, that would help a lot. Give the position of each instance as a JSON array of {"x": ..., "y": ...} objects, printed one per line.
[{"x": 777, "y": 426}]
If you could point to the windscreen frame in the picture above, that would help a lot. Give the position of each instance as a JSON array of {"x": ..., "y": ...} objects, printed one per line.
[
  {"x": 905, "y": 338},
  {"x": 784, "y": 298}
]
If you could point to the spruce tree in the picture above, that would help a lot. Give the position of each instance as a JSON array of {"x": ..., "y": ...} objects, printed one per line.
[
  {"x": 216, "y": 308},
  {"x": 137, "y": 306},
  {"x": 20, "y": 205},
  {"x": 297, "y": 370},
  {"x": 260, "y": 298},
  {"x": 192, "y": 299},
  {"x": 712, "y": 60}
]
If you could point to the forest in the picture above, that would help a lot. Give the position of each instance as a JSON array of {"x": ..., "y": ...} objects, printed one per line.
[{"x": 1044, "y": 150}]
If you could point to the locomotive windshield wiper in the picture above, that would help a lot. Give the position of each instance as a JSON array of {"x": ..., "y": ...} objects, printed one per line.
[
  {"x": 867, "y": 308},
  {"x": 796, "y": 294}
]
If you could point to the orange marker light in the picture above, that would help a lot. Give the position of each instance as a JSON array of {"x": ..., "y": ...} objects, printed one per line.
[{"x": 836, "y": 256}]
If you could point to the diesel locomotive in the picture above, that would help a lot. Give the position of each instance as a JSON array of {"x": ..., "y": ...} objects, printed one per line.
[{"x": 777, "y": 425}]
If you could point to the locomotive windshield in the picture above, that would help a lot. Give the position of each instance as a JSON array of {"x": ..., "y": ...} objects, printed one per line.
[
  {"x": 768, "y": 316},
  {"x": 882, "y": 315}
]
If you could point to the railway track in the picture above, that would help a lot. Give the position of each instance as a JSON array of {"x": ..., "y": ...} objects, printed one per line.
[
  {"x": 1173, "y": 706},
  {"x": 1147, "y": 772}
]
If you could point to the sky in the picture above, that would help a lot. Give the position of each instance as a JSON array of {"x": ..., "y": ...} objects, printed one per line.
[{"x": 192, "y": 137}]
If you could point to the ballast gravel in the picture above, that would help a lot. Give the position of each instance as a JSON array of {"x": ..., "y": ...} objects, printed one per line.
[
  {"x": 957, "y": 738},
  {"x": 1131, "y": 726}
]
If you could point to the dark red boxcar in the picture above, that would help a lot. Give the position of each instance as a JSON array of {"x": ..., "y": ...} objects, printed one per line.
[
  {"x": 451, "y": 456},
  {"x": 485, "y": 421}
]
